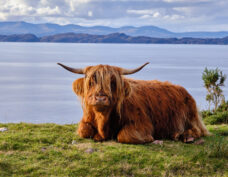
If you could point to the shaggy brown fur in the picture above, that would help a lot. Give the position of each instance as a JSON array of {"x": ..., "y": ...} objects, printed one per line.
[{"x": 134, "y": 111}]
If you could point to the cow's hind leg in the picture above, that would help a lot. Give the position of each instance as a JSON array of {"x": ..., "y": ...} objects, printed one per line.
[
  {"x": 131, "y": 135},
  {"x": 86, "y": 130}
]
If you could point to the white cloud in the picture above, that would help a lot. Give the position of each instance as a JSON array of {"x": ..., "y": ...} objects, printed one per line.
[
  {"x": 3, "y": 16},
  {"x": 187, "y": 10},
  {"x": 174, "y": 17},
  {"x": 48, "y": 11},
  {"x": 90, "y": 13},
  {"x": 75, "y": 3},
  {"x": 44, "y": 2},
  {"x": 154, "y": 15},
  {"x": 145, "y": 16},
  {"x": 172, "y": 14},
  {"x": 146, "y": 13},
  {"x": 140, "y": 12},
  {"x": 17, "y": 7}
]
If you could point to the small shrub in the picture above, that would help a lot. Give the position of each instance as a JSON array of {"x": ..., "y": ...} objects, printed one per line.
[
  {"x": 217, "y": 118},
  {"x": 214, "y": 79},
  {"x": 206, "y": 114}
]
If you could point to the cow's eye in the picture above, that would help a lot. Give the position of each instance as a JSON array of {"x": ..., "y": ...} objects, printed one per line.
[
  {"x": 113, "y": 85},
  {"x": 94, "y": 78},
  {"x": 90, "y": 83}
]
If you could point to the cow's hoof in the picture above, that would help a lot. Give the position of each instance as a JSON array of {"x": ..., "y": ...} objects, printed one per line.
[
  {"x": 176, "y": 136},
  {"x": 98, "y": 138},
  {"x": 189, "y": 140}
]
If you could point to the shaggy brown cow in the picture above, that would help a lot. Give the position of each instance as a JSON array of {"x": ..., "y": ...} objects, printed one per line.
[{"x": 134, "y": 111}]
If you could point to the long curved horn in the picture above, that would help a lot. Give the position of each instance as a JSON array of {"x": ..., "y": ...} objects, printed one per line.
[
  {"x": 73, "y": 70},
  {"x": 132, "y": 71}
]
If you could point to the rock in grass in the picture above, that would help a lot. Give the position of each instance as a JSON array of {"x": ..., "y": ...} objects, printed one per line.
[
  {"x": 3, "y": 129},
  {"x": 90, "y": 150},
  {"x": 158, "y": 142},
  {"x": 74, "y": 142},
  {"x": 43, "y": 149},
  {"x": 199, "y": 142}
]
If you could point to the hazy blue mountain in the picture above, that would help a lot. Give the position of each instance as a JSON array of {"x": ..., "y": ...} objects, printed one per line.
[{"x": 8, "y": 28}]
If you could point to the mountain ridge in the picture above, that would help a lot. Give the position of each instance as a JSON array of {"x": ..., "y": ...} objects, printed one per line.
[
  {"x": 110, "y": 38},
  {"x": 44, "y": 29}
]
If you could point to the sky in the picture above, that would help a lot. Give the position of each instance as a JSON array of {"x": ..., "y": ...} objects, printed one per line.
[{"x": 174, "y": 15}]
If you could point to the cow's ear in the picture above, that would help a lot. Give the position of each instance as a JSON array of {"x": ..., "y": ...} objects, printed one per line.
[
  {"x": 78, "y": 86},
  {"x": 127, "y": 89}
]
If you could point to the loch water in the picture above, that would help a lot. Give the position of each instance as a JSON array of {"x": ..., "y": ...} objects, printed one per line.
[{"x": 34, "y": 89}]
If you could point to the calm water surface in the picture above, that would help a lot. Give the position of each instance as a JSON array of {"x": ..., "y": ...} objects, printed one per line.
[{"x": 33, "y": 88}]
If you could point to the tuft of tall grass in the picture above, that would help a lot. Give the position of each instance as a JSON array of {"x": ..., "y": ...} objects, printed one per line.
[{"x": 217, "y": 147}]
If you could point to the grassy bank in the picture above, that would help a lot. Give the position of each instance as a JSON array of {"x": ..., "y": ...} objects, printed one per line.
[{"x": 47, "y": 150}]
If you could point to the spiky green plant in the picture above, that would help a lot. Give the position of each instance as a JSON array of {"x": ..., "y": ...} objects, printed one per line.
[{"x": 213, "y": 81}]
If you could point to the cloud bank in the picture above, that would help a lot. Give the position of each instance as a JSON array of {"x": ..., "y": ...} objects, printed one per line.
[{"x": 175, "y": 15}]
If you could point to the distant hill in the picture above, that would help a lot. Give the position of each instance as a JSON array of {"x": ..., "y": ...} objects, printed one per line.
[
  {"x": 8, "y": 28},
  {"x": 19, "y": 38},
  {"x": 110, "y": 38}
]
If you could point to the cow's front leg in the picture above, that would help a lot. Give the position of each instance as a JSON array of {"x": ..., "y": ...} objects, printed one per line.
[
  {"x": 98, "y": 137},
  {"x": 133, "y": 135},
  {"x": 86, "y": 130},
  {"x": 102, "y": 131}
]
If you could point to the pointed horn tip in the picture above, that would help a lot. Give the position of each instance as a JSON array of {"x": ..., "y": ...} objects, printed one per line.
[
  {"x": 73, "y": 70},
  {"x": 60, "y": 64},
  {"x": 132, "y": 71}
]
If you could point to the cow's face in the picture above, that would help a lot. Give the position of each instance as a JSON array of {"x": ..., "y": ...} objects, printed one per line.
[{"x": 103, "y": 87}]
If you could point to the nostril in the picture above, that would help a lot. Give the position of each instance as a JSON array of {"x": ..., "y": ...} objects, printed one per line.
[{"x": 101, "y": 98}]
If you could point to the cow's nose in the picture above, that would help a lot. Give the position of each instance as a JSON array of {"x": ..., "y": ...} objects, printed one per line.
[{"x": 101, "y": 98}]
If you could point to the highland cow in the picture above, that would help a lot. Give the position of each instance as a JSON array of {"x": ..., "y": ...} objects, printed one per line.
[{"x": 134, "y": 111}]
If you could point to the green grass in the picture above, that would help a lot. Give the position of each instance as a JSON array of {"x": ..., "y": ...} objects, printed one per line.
[{"x": 47, "y": 150}]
